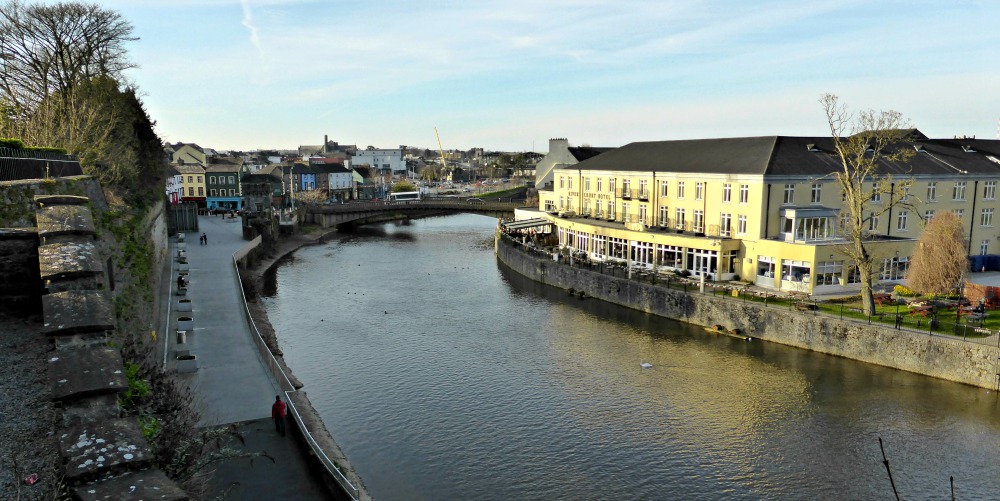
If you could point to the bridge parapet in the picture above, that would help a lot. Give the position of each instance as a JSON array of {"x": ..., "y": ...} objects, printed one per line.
[{"x": 336, "y": 214}]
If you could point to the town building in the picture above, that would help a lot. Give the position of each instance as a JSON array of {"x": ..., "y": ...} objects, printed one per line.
[
  {"x": 222, "y": 182},
  {"x": 382, "y": 160},
  {"x": 763, "y": 209},
  {"x": 561, "y": 154},
  {"x": 192, "y": 187}
]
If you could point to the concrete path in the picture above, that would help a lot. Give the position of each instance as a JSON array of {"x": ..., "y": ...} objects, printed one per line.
[{"x": 232, "y": 385}]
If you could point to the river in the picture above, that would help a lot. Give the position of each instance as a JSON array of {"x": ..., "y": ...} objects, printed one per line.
[{"x": 443, "y": 375}]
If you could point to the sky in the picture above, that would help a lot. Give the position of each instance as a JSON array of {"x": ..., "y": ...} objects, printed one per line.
[{"x": 510, "y": 75}]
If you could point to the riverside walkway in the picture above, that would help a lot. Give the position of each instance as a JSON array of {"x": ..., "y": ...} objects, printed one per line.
[{"x": 232, "y": 385}]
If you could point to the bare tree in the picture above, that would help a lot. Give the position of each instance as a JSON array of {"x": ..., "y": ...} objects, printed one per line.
[
  {"x": 869, "y": 145},
  {"x": 939, "y": 261},
  {"x": 48, "y": 49}
]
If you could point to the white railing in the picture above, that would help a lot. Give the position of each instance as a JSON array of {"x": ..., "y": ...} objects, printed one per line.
[{"x": 279, "y": 374}]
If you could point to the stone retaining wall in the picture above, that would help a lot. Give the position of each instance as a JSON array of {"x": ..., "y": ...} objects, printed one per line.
[{"x": 937, "y": 356}]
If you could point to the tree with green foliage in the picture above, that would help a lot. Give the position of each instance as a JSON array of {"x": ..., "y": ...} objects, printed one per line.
[
  {"x": 939, "y": 261},
  {"x": 402, "y": 186},
  {"x": 863, "y": 143}
]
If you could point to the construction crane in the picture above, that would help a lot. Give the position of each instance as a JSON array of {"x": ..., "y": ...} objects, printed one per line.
[{"x": 444, "y": 163}]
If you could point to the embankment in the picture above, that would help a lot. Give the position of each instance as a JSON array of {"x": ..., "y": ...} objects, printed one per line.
[{"x": 937, "y": 356}]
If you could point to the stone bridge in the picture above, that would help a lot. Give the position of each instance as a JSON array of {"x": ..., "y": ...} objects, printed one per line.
[{"x": 357, "y": 212}]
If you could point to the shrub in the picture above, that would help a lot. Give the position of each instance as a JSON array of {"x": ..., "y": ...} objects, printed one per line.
[{"x": 903, "y": 291}]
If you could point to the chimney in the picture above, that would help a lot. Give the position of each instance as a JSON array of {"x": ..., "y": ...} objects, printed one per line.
[{"x": 326, "y": 139}]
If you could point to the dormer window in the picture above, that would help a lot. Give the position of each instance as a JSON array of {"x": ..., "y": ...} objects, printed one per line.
[
  {"x": 812, "y": 147},
  {"x": 919, "y": 148},
  {"x": 968, "y": 148}
]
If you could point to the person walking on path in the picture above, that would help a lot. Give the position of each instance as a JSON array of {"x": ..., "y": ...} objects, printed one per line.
[
  {"x": 204, "y": 239},
  {"x": 278, "y": 414}
]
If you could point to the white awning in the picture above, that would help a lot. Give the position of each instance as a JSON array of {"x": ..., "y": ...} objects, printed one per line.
[{"x": 526, "y": 223}]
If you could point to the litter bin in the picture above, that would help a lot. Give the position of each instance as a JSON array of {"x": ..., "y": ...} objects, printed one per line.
[{"x": 181, "y": 337}]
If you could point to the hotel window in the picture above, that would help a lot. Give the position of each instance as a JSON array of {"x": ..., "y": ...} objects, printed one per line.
[
  {"x": 984, "y": 248},
  {"x": 699, "y": 221},
  {"x": 741, "y": 224},
  {"x": 561, "y": 205},
  {"x": 986, "y": 217},
  {"x": 611, "y": 209},
  {"x": 958, "y": 191},
  {"x": 664, "y": 216},
  {"x": 727, "y": 193},
  {"x": 744, "y": 194},
  {"x": 626, "y": 187},
  {"x": 990, "y": 190},
  {"x": 642, "y": 188},
  {"x": 611, "y": 185},
  {"x": 664, "y": 187},
  {"x": 725, "y": 224},
  {"x": 932, "y": 191},
  {"x": 642, "y": 214},
  {"x": 699, "y": 191},
  {"x": 562, "y": 182},
  {"x": 586, "y": 206},
  {"x": 679, "y": 218},
  {"x": 625, "y": 212},
  {"x": 680, "y": 189},
  {"x": 789, "y": 194},
  {"x": 872, "y": 222},
  {"x": 876, "y": 194},
  {"x": 569, "y": 183},
  {"x": 816, "y": 193},
  {"x": 586, "y": 183},
  {"x": 901, "y": 220},
  {"x": 599, "y": 184}
]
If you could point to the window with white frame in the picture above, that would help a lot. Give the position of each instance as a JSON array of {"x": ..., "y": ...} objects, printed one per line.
[
  {"x": 932, "y": 191},
  {"x": 599, "y": 184},
  {"x": 642, "y": 188},
  {"x": 744, "y": 194},
  {"x": 725, "y": 224},
  {"x": 670, "y": 255},
  {"x": 626, "y": 187},
  {"x": 699, "y": 221},
  {"x": 625, "y": 212},
  {"x": 586, "y": 183},
  {"x": 561, "y": 203},
  {"x": 872, "y": 222},
  {"x": 894, "y": 268},
  {"x": 901, "y": 220},
  {"x": 789, "y": 194},
  {"x": 232, "y": 192},
  {"x": 213, "y": 193},
  {"x": 680, "y": 189},
  {"x": 664, "y": 215},
  {"x": 727, "y": 193},
  {"x": 876, "y": 194},
  {"x": 984, "y": 248},
  {"x": 642, "y": 214},
  {"x": 828, "y": 272},
  {"x": 562, "y": 182},
  {"x": 569, "y": 183},
  {"x": 986, "y": 217},
  {"x": 664, "y": 188},
  {"x": 611, "y": 185},
  {"x": 611, "y": 209},
  {"x": 679, "y": 218},
  {"x": 816, "y": 193},
  {"x": 699, "y": 191},
  {"x": 211, "y": 179},
  {"x": 990, "y": 190},
  {"x": 959, "y": 213},
  {"x": 928, "y": 215},
  {"x": 958, "y": 191},
  {"x": 741, "y": 224}
]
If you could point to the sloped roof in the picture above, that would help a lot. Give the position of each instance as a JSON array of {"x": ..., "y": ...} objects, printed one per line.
[
  {"x": 793, "y": 156},
  {"x": 581, "y": 153}
]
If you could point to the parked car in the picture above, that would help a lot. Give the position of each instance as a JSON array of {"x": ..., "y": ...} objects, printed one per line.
[{"x": 473, "y": 200}]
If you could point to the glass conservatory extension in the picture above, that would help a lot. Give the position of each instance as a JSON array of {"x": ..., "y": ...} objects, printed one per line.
[{"x": 808, "y": 225}]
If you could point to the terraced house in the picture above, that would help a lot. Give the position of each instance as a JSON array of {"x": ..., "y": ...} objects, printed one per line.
[{"x": 765, "y": 209}]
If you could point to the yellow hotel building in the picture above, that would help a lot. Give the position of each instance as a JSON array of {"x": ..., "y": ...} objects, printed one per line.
[{"x": 763, "y": 209}]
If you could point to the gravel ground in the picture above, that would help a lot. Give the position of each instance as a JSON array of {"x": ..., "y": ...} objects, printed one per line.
[{"x": 27, "y": 416}]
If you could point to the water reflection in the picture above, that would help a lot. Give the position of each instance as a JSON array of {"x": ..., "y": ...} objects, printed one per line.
[{"x": 444, "y": 376}]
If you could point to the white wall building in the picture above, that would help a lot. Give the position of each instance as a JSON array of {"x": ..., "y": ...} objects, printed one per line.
[{"x": 381, "y": 160}]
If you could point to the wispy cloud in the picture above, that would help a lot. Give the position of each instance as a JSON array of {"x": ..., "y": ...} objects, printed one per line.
[{"x": 248, "y": 23}]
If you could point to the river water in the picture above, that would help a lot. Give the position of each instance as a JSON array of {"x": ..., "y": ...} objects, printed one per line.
[{"x": 445, "y": 376}]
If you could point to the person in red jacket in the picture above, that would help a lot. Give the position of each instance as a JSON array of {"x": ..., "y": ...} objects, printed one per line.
[{"x": 278, "y": 414}]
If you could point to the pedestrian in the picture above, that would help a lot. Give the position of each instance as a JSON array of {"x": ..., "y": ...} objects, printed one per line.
[
  {"x": 278, "y": 414},
  {"x": 204, "y": 238},
  {"x": 180, "y": 281}
]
